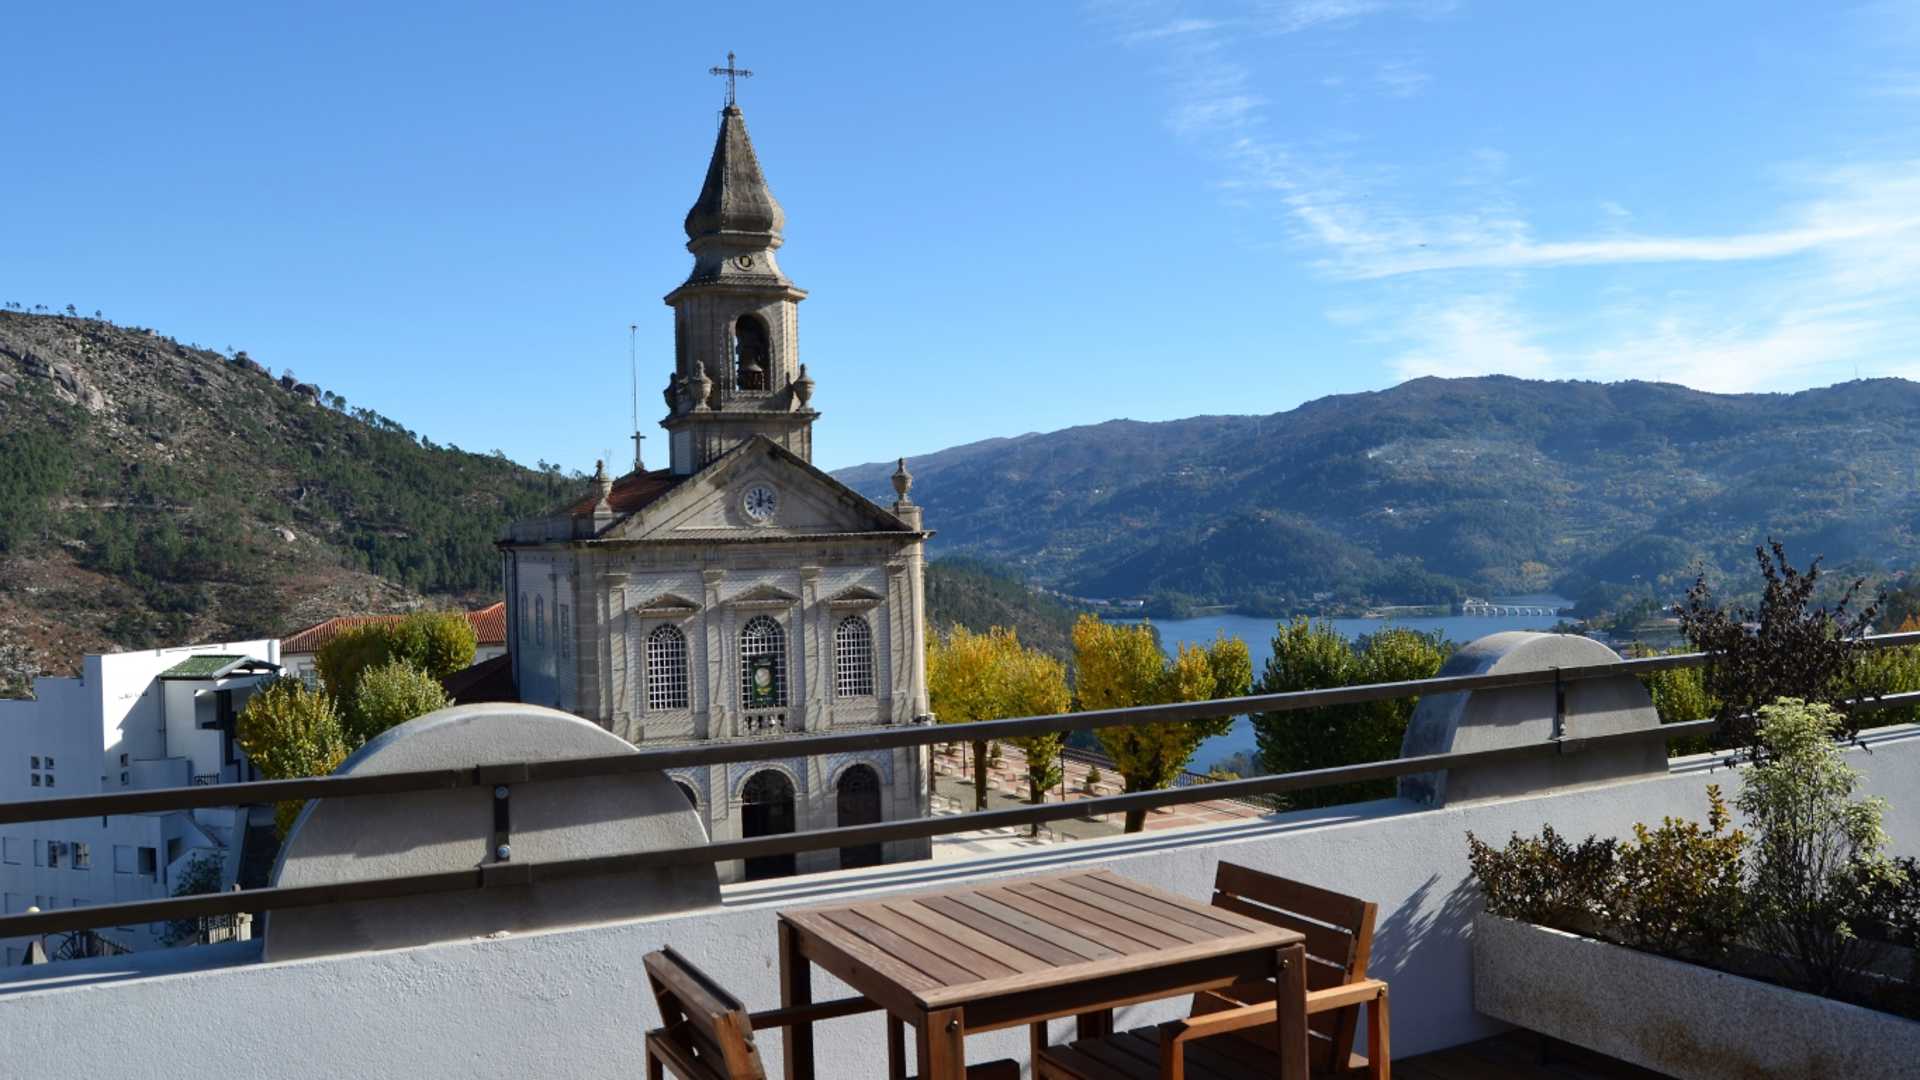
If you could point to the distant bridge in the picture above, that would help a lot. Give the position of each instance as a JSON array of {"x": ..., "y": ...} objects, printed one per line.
[{"x": 1471, "y": 606}]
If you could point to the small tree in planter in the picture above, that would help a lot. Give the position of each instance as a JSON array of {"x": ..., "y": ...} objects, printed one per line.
[
  {"x": 1818, "y": 852},
  {"x": 1786, "y": 647}
]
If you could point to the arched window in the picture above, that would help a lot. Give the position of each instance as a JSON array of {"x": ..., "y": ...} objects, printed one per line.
[
  {"x": 666, "y": 669},
  {"x": 853, "y": 658},
  {"x": 539, "y": 620},
  {"x": 763, "y": 664},
  {"x": 752, "y": 356}
]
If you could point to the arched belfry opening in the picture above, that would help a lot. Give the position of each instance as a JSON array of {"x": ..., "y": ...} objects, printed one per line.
[{"x": 752, "y": 354}]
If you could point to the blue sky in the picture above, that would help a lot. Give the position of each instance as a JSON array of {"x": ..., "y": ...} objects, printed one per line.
[{"x": 1011, "y": 217}]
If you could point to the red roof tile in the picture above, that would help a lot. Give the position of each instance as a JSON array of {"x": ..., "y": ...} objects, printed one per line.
[
  {"x": 489, "y": 628},
  {"x": 630, "y": 493}
]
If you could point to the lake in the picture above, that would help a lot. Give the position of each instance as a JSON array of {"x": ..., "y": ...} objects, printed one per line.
[{"x": 1258, "y": 634}]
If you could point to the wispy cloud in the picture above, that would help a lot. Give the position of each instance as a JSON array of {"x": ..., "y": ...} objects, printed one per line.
[
  {"x": 1401, "y": 78},
  {"x": 1461, "y": 277}
]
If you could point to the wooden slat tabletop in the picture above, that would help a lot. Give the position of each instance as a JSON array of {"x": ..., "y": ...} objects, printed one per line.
[{"x": 942, "y": 949}]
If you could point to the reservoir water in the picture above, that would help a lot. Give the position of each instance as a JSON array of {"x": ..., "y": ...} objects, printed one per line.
[{"x": 1258, "y": 633}]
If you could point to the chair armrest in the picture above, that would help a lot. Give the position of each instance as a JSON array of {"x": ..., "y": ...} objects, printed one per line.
[
  {"x": 1219, "y": 1023},
  {"x": 1339, "y": 997}
]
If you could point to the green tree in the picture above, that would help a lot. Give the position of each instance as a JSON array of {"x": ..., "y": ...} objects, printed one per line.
[
  {"x": 1120, "y": 665},
  {"x": 390, "y": 694},
  {"x": 202, "y": 875},
  {"x": 1816, "y": 849},
  {"x": 1315, "y": 656},
  {"x": 289, "y": 732}
]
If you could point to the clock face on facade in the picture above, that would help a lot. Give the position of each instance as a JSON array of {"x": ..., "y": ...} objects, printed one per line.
[{"x": 760, "y": 502}]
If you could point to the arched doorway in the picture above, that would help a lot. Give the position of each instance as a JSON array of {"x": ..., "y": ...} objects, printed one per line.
[
  {"x": 859, "y": 796},
  {"x": 767, "y": 810}
]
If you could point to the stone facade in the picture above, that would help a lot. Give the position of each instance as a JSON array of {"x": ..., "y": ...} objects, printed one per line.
[{"x": 739, "y": 593}]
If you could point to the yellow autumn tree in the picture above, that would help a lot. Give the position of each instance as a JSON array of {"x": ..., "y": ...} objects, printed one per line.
[
  {"x": 1120, "y": 665},
  {"x": 991, "y": 676}
]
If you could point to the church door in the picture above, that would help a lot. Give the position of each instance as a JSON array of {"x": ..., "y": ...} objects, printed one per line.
[
  {"x": 767, "y": 810},
  {"x": 859, "y": 805}
]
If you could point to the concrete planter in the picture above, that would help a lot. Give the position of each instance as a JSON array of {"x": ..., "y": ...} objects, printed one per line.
[{"x": 1677, "y": 1018}]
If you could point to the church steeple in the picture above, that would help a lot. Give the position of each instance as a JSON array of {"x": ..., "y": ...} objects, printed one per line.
[{"x": 737, "y": 371}]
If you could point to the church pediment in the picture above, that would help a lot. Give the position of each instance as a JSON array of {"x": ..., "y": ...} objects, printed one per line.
[
  {"x": 758, "y": 492},
  {"x": 855, "y": 598},
  {"x": 668, "y": 604},
  {"x": 763, "y": 596}
]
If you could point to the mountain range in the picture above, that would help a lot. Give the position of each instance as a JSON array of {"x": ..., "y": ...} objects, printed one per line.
[
  {"x": 155, "y": 492},
  {"x": 1437, "y": 489}
]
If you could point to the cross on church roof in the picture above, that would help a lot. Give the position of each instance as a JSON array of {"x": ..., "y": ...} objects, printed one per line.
[{"x": 731, "y": 72}]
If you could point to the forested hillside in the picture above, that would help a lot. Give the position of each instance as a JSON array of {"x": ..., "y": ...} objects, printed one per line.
[
  {"x": 1438, "y": 488},
  {"x": 155, "y": 492}
]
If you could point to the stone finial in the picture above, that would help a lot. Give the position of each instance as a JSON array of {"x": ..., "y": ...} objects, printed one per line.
[
  {"x": 602, "y": 487},
  {"x": 803, "y": 387},
  {"x": 702, "y": 387},
  {"x": 902, "y": 481}
]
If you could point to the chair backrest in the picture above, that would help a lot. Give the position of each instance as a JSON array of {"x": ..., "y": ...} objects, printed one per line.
[
  {"x": 707, "y": 1025},
  {"x": 1339, "y": 933}
]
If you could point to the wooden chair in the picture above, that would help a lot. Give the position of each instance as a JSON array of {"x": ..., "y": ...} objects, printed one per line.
[
  {"x": 1339, "y": 933},
  {"x": 706, "y": 1034}
]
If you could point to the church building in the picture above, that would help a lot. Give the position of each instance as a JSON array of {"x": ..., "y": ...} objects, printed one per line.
[{"x": 739, "y": 593}]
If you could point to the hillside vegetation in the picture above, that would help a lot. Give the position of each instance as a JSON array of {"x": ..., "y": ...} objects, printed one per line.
[
  {"x": 1439, "y": 488},
  {"x": 157, "y": 493}
]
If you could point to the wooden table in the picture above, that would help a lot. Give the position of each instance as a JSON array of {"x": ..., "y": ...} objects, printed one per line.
[{"x": 1027, "y": 950}]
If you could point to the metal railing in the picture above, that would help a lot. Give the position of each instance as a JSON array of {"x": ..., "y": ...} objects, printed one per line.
[{"x": 499, "y": 874}]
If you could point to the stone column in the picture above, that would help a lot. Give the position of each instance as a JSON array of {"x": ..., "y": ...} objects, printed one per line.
[
  {"x": 816, "y": 714},
  {"x": 617, "y": 697},
  {"x": 711, "y": 715}
]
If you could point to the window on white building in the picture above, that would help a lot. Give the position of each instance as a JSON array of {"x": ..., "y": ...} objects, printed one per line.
[
  {"x": 124, "y": 781},
  {"x": 49, "y": 779},
  {"x": 36, "y": 779},
  {"x": 149, "y": 862},
  {"x": 763, "y": 664},
  {"x": 666, "y": 669},
  {"x": 563, "y": 629},
  {"x": 34, "y": 761},
  {"x": 13, "y": 850},
  {"x": 82, "y": 856},
  {"x": 39, "y": 853},
  {"x": 123, "y": 761},
  {"x": 54, "y": 850},
  {"x": 853, "y": 657},
  {"x": 49, "y": 763},
  {"x": 539, "y": 620}
]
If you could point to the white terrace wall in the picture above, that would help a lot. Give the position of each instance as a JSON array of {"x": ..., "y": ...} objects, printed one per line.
[{"x": 574, "y": 1002}]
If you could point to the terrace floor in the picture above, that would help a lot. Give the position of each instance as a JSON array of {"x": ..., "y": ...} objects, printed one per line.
[{"x": 1517, "y": 1055}]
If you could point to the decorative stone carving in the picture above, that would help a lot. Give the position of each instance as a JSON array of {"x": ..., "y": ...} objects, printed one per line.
[{"x": 803, "y": 387}]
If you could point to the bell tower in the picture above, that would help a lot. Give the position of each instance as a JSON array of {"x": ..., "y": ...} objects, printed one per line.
[{"x": 737, "y": 372}]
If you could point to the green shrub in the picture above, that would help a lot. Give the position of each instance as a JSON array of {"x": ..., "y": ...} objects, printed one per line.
[
  {"x": 1817, "y": 851},
  {"x": 289, "y": 732},
  {"x": 438, "y": 643},
  {"x": 391, "y": 694},
  {"x": 1678, "y": 889},
  {"x": 1545, "y": 880}
]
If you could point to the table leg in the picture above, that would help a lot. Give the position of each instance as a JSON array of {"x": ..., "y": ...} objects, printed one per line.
[
  {"x": 943, "y": 1046},
  {"x": 1290, "y": 973},
  {"x": 1095, "y": 1025},
  {"x": 796, "y": 988},
  {"x": 896, "y": 1048},
  {"x": 1037, "y": 1039}
]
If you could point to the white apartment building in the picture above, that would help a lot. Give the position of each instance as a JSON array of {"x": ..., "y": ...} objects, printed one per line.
[{"x": 152, "y": 719}]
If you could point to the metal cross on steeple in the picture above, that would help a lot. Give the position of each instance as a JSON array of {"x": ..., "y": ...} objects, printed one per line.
[{"x": 731, "y": 72}]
